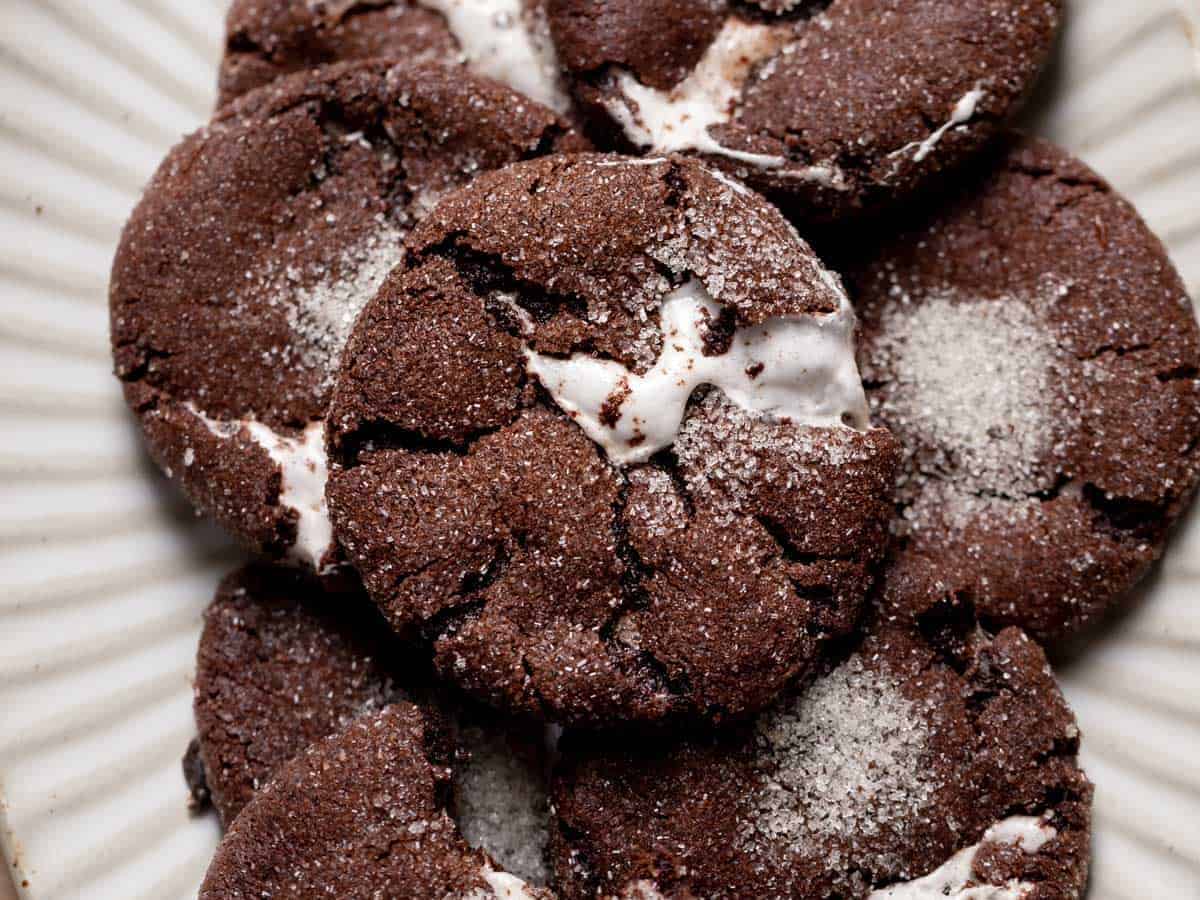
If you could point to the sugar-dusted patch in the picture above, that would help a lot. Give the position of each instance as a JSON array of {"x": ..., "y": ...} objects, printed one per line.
[
  {"x": 322, "y": 314},
  {"x": 503, "y": 806},
  {"x": 838, "y": 763},
  {"x": 728, "y": 452},
  {"x": 973, "y": 391}
]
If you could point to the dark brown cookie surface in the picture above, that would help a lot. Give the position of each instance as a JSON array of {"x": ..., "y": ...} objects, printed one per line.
[
  {"x": 616, "y": 559},
  {"x": 240, "y": 273},
  {"x": 507, "y": 40},
  {"x": 916, "y": 768},
  {"x": 360, "y": 815},
  {"x": 283, "y": 664},
  {"x": 830, "y": 107},
  {"x": 1036, "y": 353}
]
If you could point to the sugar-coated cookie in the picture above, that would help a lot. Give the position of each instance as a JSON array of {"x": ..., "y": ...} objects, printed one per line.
[
  {"x": 507, "y": 40},
  {"x": 829, "y": 106},
  {"x": 1037, "y": 355},
  {"x": 919, "y": 767},
  {"x": 602, "y": 439},
  {"x": 240, "y": 273},
  {"x": 361, "y": 815},
  {"x": 283, "y": 664}
]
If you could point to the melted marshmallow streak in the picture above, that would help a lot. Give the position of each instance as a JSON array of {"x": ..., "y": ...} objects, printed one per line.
[
  {"x": 799, "y": 369},
  {"x": 498, "y": 41},
  {"x": 504, "y": 886},
  {"x": 304, "y": 469},
  {"x": 949, "y": 881},
  {"x": 679, "y": 119},
  {"x": 962, "y": 113}
]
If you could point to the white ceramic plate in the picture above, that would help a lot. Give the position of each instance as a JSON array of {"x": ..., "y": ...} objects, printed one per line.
[{"x": 104, "y": 572}]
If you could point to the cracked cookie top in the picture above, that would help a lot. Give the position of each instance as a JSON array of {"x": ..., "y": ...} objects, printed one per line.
[
  {"x": 240, "y": 273},
  {"x": 607, "y": 556},
  {"x": 358, "y": 814},
  {"x": 830, "y": 106},
  {"x": 283, "y": 664},
  {"x": 507, "y": 40},
  {"x": 1037, "y": 355},
  {"x": 919, "y": 765}
]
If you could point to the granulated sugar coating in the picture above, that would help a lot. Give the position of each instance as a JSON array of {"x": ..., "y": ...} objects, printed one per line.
[
  {"x": 728, "y": 454},
  {"x": 830, "y": 106},
  {"x": 323, "y": 313},
  {"x": 958, "y": 386},
  {"x": 502, "y": 804},
  {"x": 507, "y": 40},
  {"x": 358, "y": 814},
  {"x": 241, "y": 272},
  {"x": 266, "y": 39},
  {"x": 1036, "y": 353},
  {"x": 847, "y": 755},
  {"x": 283, "y": 664},
  {"x": 552, "y": 576},
  {"x": 904, "y": 760}
]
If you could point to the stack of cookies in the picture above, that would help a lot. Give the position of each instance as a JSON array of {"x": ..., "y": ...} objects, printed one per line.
[{"x": 669, "y": 432}]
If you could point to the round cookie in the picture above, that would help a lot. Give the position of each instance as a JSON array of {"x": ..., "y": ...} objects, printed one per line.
[
  {"x": 282, "y": 665},
  {"x": 360, "y": 815},
  {"x": 591, "y": 440},
  {"x": 828, "y": 107},
  {"x": 916, "y": 768},
  {"x": 507, "y": 40},
  {"x": 239, "y": 275},
  {"x": 1035, "y": 352}
]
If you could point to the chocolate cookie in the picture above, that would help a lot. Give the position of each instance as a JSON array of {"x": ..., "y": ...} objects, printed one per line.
[
  {"x": 507, "y": 40},
  {"x": 918, "y": 767},
  {"x": 1037, "y": 355},
  {"x": 360, "y": 815},
  {"x": 828, "y": 106},
  {"x": 602, "y": 440},
  {"x": 282, "y": 665},
  {"x": 241, "y": 271}
]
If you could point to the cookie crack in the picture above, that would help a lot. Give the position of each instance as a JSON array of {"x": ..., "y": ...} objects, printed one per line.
[
  {"x": 1061, "y": 485},
  {"x": 346, "y": 10},
  {"x": 801, "y": 12},
  {"x": 546, "y": 141},
  {"x": 634, "y": 571},
  {"x": 488, "y": 274},
  {"x": 447, "y": 620},
  {"x": 1116, "y": 350},
  {"x": 241, "y": 43},
  {"x": 478, "y": 581},
  {"x": 667, "y": 460},
  {"x": 380, "y": 435},
  {"x": 1125, "y": 515},
  {"x": 1095, "y": 184},
  {"x": 788, "y": 551},
  {"x": 547, "y": 712},
  {"x": 1179, "y": 373},
  {"x": 147, "y": 355}
]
